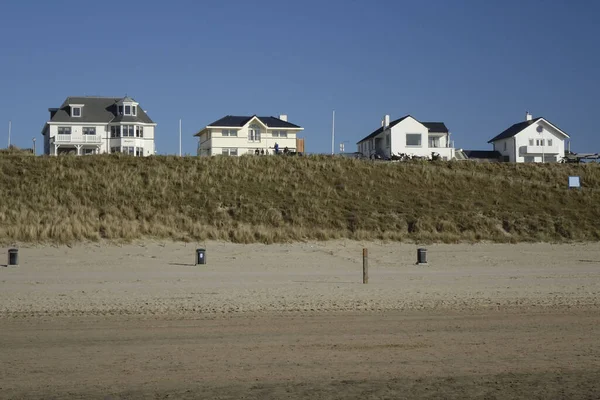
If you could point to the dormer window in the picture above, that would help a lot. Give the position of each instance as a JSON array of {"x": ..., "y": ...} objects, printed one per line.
[
  {"x": 127, "y": 106},
  {"x": 76, "y": 110}
]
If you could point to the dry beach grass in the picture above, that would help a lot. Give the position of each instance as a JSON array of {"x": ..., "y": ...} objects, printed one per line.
[{"x": 281, "y": 199}]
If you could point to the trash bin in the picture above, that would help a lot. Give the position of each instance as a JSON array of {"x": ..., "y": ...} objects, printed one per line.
[
  {"x": 421, "y": 256},
  {"x": 200, "y": 256},
  {"x": 13, "y": 256}
]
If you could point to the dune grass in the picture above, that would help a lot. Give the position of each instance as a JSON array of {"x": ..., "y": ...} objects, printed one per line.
[{"x": 278, "y": 199}]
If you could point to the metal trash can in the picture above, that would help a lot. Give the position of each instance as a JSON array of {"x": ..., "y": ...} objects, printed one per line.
[
  {"x": 200, "y": 256},
  {"x": 13, "y": 256},
  {"x": 421, "y": 256}
]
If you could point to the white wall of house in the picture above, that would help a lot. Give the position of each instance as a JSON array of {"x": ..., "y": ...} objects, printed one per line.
[
  {"x": 100, "y": 143},
  {"x": 506, "y": 147},
  {"x": 213, "y": 141},
  {"x": 526, "y": 146}
]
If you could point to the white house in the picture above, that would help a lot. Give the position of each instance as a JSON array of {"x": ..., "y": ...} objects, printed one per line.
[
  {"x": 408, "y": 136},
  {"x": 94, "y": 125},
  {"x": 238, "y": 135},
  {"x": 533, "y": 140}
]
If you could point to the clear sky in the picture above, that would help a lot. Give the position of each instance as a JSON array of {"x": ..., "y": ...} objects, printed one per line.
[{"x": 475, "y": 65}]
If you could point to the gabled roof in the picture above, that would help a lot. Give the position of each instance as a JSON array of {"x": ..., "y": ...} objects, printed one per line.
[
  {"x": 379, "y": 130},
  {"x": 514, "y": 129},
  {"x": 433, "y": 127},
  {"x": 517, "y": 128},
  {"x": 96, "y": 109},
  {"x": 236, "y": 121}
]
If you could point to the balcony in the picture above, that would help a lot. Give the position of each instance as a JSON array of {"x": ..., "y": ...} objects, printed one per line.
[
  {"x": 538, "y": 150},
  {"x": 77, "y": 139}
]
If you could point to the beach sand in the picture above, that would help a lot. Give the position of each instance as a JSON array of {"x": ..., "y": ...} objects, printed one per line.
[{"x": 295, "y": 321}]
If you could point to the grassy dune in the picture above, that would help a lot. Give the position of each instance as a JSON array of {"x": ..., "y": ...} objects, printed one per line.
[{"x": 276, "y": 199}]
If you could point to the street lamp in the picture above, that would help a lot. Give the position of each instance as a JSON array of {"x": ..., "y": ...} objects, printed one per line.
[{"x": 33, "y": 146}]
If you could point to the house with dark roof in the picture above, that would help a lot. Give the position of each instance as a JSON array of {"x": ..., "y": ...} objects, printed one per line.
[
  {"x": 408, "y": 136},
  {"x": 533, "y": 140},
  {"x": 94, "y": 125},
  {"x": 238, "y": 135}
]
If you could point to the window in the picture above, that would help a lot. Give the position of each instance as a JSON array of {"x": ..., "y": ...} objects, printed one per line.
[
  {"x": 76, "y": 112},
  {"x": 229, "y": 152},
  {"x": 539, "y": 142},
  {"x": 139, "y": 151},
  {"x": 434, "y": 141},
  {"x": 531, "y": 142},
  {"x": 128, "y": 130},
  {"x": 549, "y": 142},
  {"x": 120, "y": 110},
  {"x": 134, "y": 109},
  {"x": 64, "y": 130},
  {"x": 127, "y": 110},
  {"x": 505, "y": 146},
  {"x": 229, "y": 132},
  {"x": 413, "y": 139},
  {"x": 87, "y": 152},
  {"x": 89, "y": 130},
  {"x": 115, "y": 149},
  {"x": 254, "y": 133},
  {"x": 282, "y": 134},
  {"x": 139, "y": 131},
  {"x": 129, "y": 150},
  {"x": 115, "y": 131}
]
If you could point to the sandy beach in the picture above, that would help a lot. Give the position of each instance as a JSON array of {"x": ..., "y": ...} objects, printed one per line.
[{"x": 295, "y": 321}]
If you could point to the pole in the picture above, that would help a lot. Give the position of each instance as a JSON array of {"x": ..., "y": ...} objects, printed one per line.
[
  {"x": 33, "y": 146},
  {"x": 333, "y": 135},
  {"x": 9, "y": 129},
  {"x": 180, "y": 137},
  {"x": 365, "y": 266}
]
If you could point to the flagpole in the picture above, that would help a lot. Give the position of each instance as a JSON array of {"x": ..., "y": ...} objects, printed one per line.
[{"x": 333, "y": 134}]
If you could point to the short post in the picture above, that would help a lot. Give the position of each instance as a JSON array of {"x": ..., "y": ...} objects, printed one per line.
[
  {"x": 200, "y": 256},
  {"x": 13, "y": 257},
  {"x": 421, "y": 256},
  {"x": 365, "y": 266}
]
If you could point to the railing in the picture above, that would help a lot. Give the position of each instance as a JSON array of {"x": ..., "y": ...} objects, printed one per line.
[
  {"x": 540, "y": 150},
  {"x": 78, "y": 139}
]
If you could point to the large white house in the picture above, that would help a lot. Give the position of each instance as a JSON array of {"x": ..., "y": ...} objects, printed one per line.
[
  {"x": 94, "y": 125},
  {"x": 408, "y": 136},
  {"x": 533, "y": 140},
  {"x": 238, "y": 135}
]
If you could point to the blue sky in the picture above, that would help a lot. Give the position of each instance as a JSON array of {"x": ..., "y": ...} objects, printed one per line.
[{"x": 475, "y": 65}]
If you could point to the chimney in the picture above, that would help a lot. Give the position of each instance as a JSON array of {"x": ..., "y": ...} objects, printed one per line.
[
  {"x": 528, "y": 117},
  {"x": 386, "y": 121},
  {"x": 283, "y": 117}
]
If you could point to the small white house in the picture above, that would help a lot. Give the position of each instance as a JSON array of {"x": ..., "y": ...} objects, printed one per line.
[
  {"x": 408, "y": 136},
  {"x": 94, "y": 125},
  {"x": 238, "y": 135},
  {"x": 533, "y": 140}
]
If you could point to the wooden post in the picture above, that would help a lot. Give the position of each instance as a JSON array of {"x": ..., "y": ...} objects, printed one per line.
[{"x": 365, "y": 266}]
